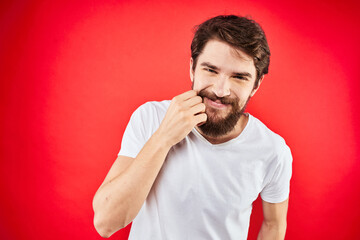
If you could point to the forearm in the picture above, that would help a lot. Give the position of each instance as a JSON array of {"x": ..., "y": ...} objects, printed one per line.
[
  {"x": 118, "y": 201},
  {"x": 272, "y": 231}
]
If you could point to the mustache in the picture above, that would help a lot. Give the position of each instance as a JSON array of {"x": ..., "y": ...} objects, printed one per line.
[{"x": 224, "y": 100}]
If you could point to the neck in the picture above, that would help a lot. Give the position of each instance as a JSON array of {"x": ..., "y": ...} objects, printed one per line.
[{"x": 239, "y": 127}]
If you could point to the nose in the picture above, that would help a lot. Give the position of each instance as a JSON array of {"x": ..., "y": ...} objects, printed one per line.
[{"x": 221, "y": 86}]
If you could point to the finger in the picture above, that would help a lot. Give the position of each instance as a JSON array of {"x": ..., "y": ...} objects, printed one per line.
[
  {"x": 198, "y": 108},
  {"x": 186, "y": 95},
  {"x": 193, "y": 101},
  {"x": 200, "y": 118}
]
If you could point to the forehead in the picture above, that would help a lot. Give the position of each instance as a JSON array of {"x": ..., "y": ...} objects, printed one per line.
[{"x": 226, "y": 57}]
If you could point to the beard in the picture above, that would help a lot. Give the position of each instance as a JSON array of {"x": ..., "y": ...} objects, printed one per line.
[{"x": 216, "y": 125}]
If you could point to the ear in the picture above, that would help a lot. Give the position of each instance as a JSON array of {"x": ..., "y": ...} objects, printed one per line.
[
  {"x": 258, "y": 86},
  {"x": 191, "y": 70}
]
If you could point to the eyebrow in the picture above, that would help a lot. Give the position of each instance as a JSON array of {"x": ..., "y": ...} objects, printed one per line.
[
  {"x": 240, "y": 74},
  {"x": 209, "y": 65}
]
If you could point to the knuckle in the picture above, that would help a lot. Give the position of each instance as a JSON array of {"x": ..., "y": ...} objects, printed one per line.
[
  {"x": 204, "y": 116},
  {"x": 185, "y": 115},
  {"x": 177, "y": 105},
  {"x": 175, "y": 99},
  {"x": 181, "y": 108},
  {"x": 181, "y": 114},
  {"x": 189, "y": 120}
]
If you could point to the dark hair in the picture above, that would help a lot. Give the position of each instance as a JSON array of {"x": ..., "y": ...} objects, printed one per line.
[{"x": 241, "y": 33}]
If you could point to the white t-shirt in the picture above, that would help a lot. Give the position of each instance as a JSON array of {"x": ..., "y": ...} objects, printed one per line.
[{"x": 206, "y": 191}]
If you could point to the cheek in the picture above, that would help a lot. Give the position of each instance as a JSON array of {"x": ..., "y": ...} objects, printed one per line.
[
  {"x": 242, "y": 94},
  {"x": 201, "y": 82}
]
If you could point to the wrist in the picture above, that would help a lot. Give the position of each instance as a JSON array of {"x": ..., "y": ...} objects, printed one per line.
[{"x": 161, "y": 139}]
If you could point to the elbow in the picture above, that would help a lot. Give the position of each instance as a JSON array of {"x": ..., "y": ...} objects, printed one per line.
[
  {"x": 101, "y": 228},
  {"x": 107, "y": 221},
  {"x": 278, "y": 227},
  {"x": 104, "y": 234},
  {"x": 100, "y": 222},
  {"x": 276, "y": 230},
  {"x": 105, "y": 228}
]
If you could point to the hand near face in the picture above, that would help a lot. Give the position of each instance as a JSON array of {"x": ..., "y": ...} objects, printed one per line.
[{"x": 184, "y": 113}]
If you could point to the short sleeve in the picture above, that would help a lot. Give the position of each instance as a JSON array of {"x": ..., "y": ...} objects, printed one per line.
[
  {"x": 137, "y": 132},
  {"x": 278, "y": 189}
]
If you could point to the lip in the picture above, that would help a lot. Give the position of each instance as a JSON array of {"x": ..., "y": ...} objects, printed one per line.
[{"x": 214, "y": 104}]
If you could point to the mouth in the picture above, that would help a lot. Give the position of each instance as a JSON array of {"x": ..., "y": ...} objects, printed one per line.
[{"x": 215, "y": 104}]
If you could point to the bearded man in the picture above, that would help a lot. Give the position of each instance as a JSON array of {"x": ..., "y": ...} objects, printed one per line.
[{"x": 190, "y": 168}]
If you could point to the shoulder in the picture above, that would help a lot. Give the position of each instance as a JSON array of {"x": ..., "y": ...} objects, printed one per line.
[
  {"x": 147, "y": 118},
  {"x": 269, "y": 139},
  {"x": 153, "y": 108},
  {"x": 155, "y": 105},
  {"x": 151, "y": 113},
  {"x": 159, "y": 106}
]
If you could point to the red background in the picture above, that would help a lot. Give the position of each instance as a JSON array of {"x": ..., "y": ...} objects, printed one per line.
[{"x": 72, "y": 72}]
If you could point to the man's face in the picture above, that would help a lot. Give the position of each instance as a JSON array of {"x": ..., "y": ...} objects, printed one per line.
[{"x": 224, "y": 77}]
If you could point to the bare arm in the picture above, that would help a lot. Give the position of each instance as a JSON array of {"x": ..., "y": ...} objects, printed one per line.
[
  {"x": 128, "y": 183},
  {"x": 274, "y": 224}
]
